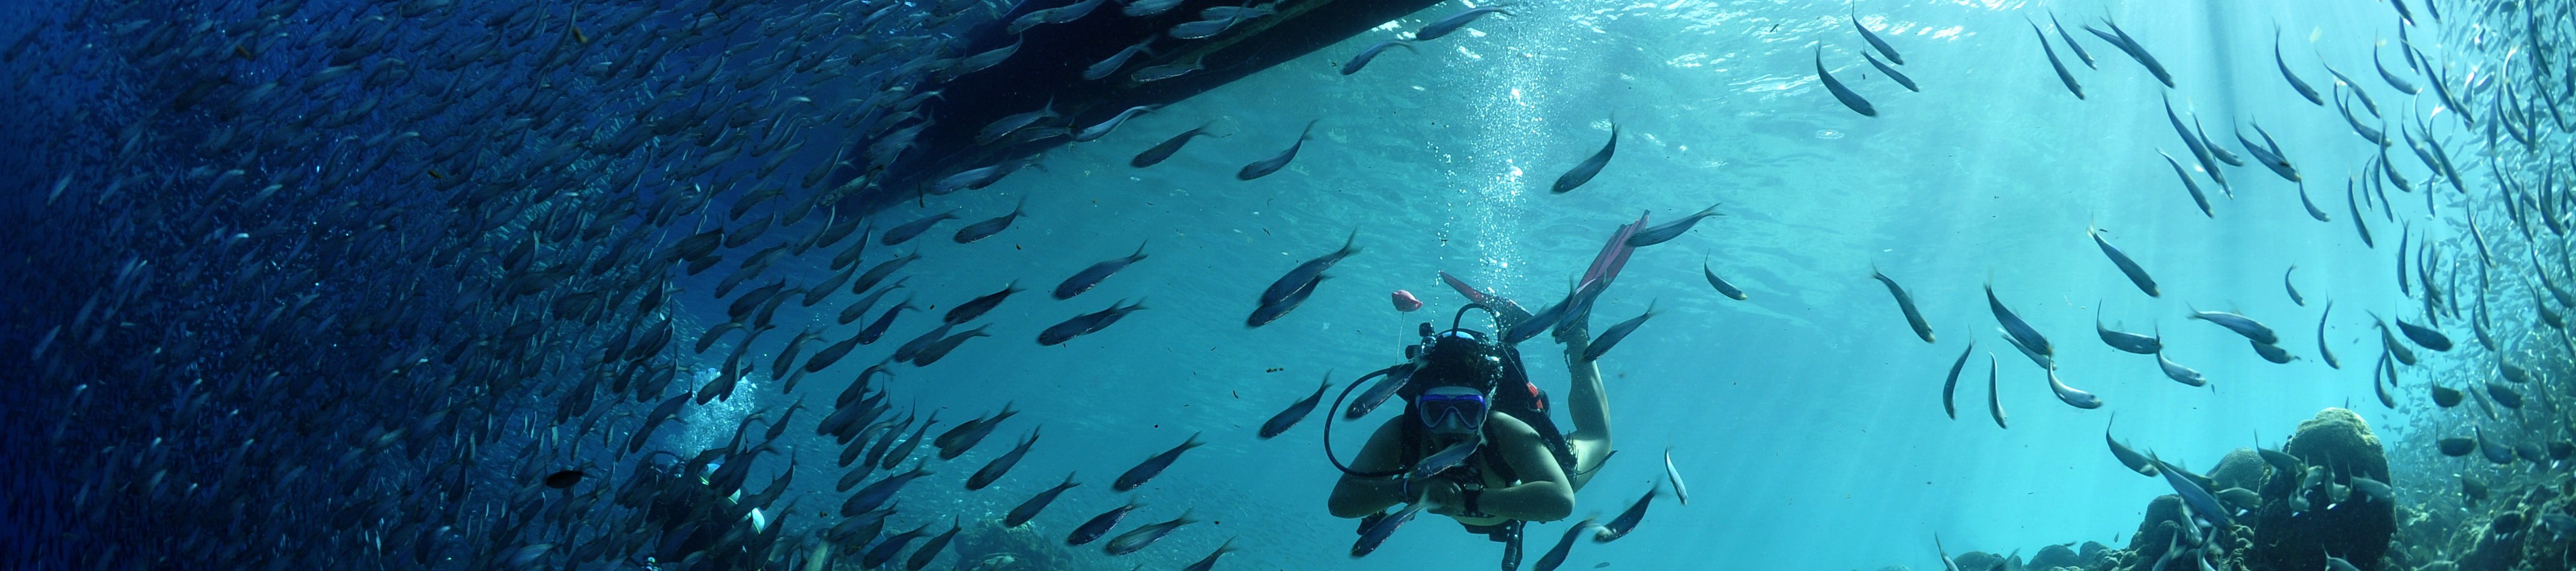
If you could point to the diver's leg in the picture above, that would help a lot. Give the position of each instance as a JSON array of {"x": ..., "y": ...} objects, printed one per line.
[{"x": 1590, "y": 409}]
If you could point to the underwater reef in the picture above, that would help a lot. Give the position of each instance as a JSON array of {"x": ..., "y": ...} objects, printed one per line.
[{"x": 2331, "y": 492}]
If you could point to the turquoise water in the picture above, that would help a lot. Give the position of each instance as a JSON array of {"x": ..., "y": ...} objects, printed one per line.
[{"x": 1807, "y": 419}]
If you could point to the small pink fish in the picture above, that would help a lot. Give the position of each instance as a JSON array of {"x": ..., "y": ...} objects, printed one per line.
[{"x": 1404, "y": 301}]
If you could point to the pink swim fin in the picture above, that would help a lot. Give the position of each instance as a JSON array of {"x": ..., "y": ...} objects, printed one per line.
[{"x": 1613, "y": 256}]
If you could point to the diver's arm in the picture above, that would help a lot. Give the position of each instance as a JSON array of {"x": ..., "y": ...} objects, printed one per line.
[
  {"x": 1543, "y": 494},
  {"x": 1355, "y": 496}
]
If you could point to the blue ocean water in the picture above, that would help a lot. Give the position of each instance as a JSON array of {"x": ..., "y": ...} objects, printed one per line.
[{"x": 1806, "y": 419}]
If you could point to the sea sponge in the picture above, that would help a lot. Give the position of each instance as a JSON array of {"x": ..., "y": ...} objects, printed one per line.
[
  {"x": 2155, "y": 533},
  {"x": 2357, "y": 529},
  {"x": 2242, "y": 468}
]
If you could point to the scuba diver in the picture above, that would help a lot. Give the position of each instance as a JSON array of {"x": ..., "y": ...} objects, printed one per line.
[
  {"x": 1476, "y": 442},
  {"x": 692, "y": 518},
  {"x": 1470, "y": 391}
]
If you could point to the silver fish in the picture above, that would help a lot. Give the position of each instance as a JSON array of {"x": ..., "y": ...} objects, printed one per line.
[
  {"x": 989, "y": 227},
  {"x": 2126, "y": 341},
  {"x": 2137, "y": 275},
  {"x": 1166, "y": 71},
  {"x": 977, "y": 179},
  {"x": 994, "y": 470},
  {"x": 1004, "y": 126},
  {"x": 2357, "y": 91},
  {"x": 1091, "y": 276},
  {"x": 2425, "y": 337},
  {"x": 1556, "y": 555},
  {"x": 2401, "y": 84},
  {"x": 1209, "y": 562},
  {"x": 1727, "y": 289},
  {"x": 1206, "y": 28},
  {"x": 1385, "y": 527},
  {"x": 2240, "y": 324},
  {"x": 2062, "y": 75},
  {"x": 2128, "y": 457},
  {"x": 2273, "y": 353},
  {"x": 2179, "y": 373},
  {"x": 1306, "y": 272},
  {"x": 1152, "y": 466},
  {"x": 2188, "y": 184},
  {"x": 1029, "y": 509},
  {"x": 2120, "y": 38},
  {"x": 869, "y": 498},
  {"x": 1628, "y": 519},
  {"x": 1584, "y": 171},
  {"x": 1444, "y": 26},
  {"x": 1362, "y": 60},
  {"x": 1056, "y": 15},
  {"x": 1841, "y": 93},
  {"x": 2367, "y": 133},
  {"x": 1143, "y": 8},
  {"x": 1111, "y": 65},
  {"x": 1264, "y": 167},
  {"x": 1680, "y": 493},
  {"x": 1377, "y": 394},
  {"x": 1145, "y": 535},
  {"x": 1667, "y": 231},
  {"x": 2192, "y": 493},
  {"x": 1101, "y": 130},
  {"x": 982, "y": 61},
  {"x": 1905, "y": 303},
  {"x": 1994, "y": 398},
  {"x": 1164, "y": 150},
  {"x": 2295, "y": 83},
  {"x": 1949, "y": 388},
  {"x": 1269, "y": 312},
  {"x": 1908, "y": 82},
  {"x": 1087, "y": 323},
  {"x": 2292, "y": 287},
  {"x": 1100, "y": 525},
  {"x": 2215, "y": 149},
  {"x": 2016, "y": 330},
  {"x": 1446, "y": 458},
  {"x": 2080, "y": 54},
  {"x": 2199, "y": 148},
  {"x": 1875, "y": 42},
  {"x": 2269, "y": 154},
  {"x": 908, "y": 230},
  {"x": 1297, "y": 411},
  {"x": 2072, "y": 396},
  {"x": 1610, "y": 337}
]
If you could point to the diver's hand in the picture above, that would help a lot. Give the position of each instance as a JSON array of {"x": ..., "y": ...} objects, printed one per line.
[{"x": 1444, "y": 496}]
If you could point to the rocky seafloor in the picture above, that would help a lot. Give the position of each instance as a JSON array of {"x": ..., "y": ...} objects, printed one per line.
[{"x": 2482, "y": 501}]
